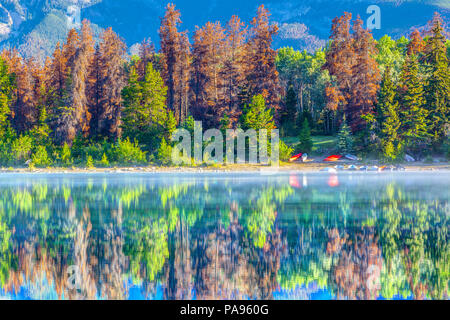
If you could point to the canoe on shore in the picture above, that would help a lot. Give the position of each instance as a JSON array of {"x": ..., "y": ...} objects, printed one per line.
[
  {"x": 332, "y": 158},
  {"x": 296, "y": 157}
]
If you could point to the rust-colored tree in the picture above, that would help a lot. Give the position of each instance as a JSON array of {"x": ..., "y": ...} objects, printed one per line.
[
  {"x": 261, "y": 73},
  {"x": 233, "y": 67},
  {"x": 68, "y": 98},
  {"x": 339, "y": 62},
  {"x": 146, "y": 56},
  {"x": 207, "y": 84},
  {"x": 174, "y": 62},
  {"x": 365, "y": 77},
  {"x": 183, "y": 70},
  {"x": 24, "y": 112},
  {"x": 351, "y": 62},
  {"x": 106, "y": 82},
  {"x": 416, "y": 44}
]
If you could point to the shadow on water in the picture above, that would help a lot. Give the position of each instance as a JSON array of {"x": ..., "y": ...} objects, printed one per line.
[{"x": 225, "y": 236}]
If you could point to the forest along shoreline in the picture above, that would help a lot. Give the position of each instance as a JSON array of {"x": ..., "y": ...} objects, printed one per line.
[{"x": 92, "y": 105}]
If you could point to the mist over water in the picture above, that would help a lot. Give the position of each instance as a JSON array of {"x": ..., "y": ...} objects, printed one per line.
[{"x": 225, "y": 236}]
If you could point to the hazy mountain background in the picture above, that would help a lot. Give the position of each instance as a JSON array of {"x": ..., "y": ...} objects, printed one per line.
[{"x": 35, "y": 26}]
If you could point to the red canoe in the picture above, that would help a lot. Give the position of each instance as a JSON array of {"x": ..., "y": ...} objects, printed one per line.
[
  {"x": 296, "y": 157},
  {"x": 333, "y": 158}
]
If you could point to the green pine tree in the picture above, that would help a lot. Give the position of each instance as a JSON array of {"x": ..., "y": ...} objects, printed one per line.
[
  {"x": 132, "y": 100},
  {"x": 145, "y": 116},
  {"x": 66, "y": 155},
  {"x": 389, "y": 119},
  {"x": 164, "y": 152},
  {"x": 170, "y": 126},
  {"x": 413, "y": 111},
  {"x": 225, "y": 124},
  {"x": 41, "y": 132},
  {"x": 89, "y": 162},
  {"x": 306, "y": 143},
  {"x": 257, "y": 116},
  {"x": 40, "y": 158},
  {"x": 345, "y": 138},
  {"x": 104, "y": 162},
  {"x": 6, "y": 87},
  {"x": 289, "y": 114},
  {"x": 437, "y": 87}
]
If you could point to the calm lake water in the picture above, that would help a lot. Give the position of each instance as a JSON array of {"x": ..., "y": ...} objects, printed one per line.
[{"x": 225, "y": 236}]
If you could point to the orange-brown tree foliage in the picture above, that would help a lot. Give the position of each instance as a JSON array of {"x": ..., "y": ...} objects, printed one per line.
[
  {"x": 261, "y": 73},
  {"x": 351, "y": 62},
  {"x": 175, "y": 62}
]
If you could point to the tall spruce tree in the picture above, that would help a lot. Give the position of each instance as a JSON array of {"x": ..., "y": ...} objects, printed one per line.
[
  {"x": 437, "y": 87},
  {"x": 41, "y": 132},
  {"x": 288, "y": 116},
  {"x": 144, "y": 114},
  {"x": 389, "y": 119},
  {"x": 306, "y": 142},
  {"x": 414, "y": 114},
  {"x": 6, "y": 87},
  {"x": 345, "y": 138},
  {"x": 257, "y": 115},
  {"x": 132, "y": 100}
]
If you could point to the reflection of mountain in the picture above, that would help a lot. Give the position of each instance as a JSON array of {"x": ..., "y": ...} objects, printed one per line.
[
  {"x": 215, "y": 239},
  {"x": 36, "y": 25}
]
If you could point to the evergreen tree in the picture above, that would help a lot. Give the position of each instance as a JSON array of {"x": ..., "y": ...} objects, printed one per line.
[
  {"x": 132, "y": 99},
  {"x": 170, "y": 126},
  {"x": 257, "y": 116},
  {"x": 40, "y": 157},
  {"x": 225, "y": 124},
  {"x": 414, "y": 115},
  {"x": 306, "y": 142},
  {"x": 6, "y": 87},
  {"x": 41, "y": 132},
  {"x": 104, "y": 161},
  {"x": 345, "y": 138},
  {"x": 89, "y": 162},
  {"x": 66, "y": 155},
  {"x": 144, "y": 114},
  {"x": 289, "y": 113},
  {"x": 437, "y": 87},
  {"x": 164, "y": 152},
  {"x": 389, "y": 119}
]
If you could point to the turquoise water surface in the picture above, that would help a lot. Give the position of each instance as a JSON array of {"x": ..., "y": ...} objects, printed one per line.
[{"x": 225, "y": 236}]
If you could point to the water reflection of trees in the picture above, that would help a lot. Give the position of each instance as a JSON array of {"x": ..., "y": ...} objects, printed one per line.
[{"x": 220, "y": 240}]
